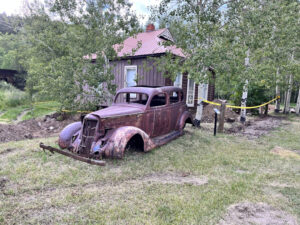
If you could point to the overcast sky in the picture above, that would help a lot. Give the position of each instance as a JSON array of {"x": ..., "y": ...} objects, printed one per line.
[{"x": 140, "y": 6}]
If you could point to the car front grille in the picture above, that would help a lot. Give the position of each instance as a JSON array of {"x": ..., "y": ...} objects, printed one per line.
[{"x": 87, "y": 138}]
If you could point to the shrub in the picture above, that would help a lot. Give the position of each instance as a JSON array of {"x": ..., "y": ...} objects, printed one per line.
[{"x": 11, "y": 96}]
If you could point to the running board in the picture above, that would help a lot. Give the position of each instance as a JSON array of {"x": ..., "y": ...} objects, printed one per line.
[
  {"x": 72, "y": 155},
  {"x": 161, "y": 140}
]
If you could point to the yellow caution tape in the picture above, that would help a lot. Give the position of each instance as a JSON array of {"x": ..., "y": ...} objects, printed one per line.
[
  {"x": 64, "y": 110},
  {"x": 36, "y": 103},
  {"x": 54, "y": 109},
  {"x": 241, "y": 107}
]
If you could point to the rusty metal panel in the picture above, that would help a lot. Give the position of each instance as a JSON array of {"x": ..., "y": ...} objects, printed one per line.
[{"x": 106, "y": 132}]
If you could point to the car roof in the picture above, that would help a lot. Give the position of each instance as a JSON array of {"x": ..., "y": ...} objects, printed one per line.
[{"x": 149, "y": 90}]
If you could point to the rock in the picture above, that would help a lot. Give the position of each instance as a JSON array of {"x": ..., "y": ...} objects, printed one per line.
[
  {"x": 51, "y": 128},
  {"x": 230, "y": 120},
  {"x": 28, "y": 136},
  {"x": 3, "y": 180},
  {"x": 292, "y": 110}
]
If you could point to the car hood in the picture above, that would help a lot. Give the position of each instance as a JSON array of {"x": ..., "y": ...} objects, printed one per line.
[{"x": 117, "y": 110}]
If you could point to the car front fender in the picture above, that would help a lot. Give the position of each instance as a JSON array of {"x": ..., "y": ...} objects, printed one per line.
[
  {"x": 116, "y": 144},
  {"x": 67, "y": 133}
]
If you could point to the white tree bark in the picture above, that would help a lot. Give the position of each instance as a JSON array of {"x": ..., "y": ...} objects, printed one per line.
[
  {"x": 244, "y": 102},
  {"x": 298, "y": 104},
  {"x": 202, "y": 94},
  {"x": 277, "y": 107},
  {"x": 288, "y": 96},
  {"x": 245, "y": 89}
]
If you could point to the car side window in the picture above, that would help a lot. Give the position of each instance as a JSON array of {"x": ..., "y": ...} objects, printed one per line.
[
  {"x": 174, "y": 97},
  {"x": 158, "y": 100}
]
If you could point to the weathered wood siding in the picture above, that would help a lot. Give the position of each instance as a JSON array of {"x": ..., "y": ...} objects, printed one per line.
[
  {"x": 148, "y": 75},
  {"x": 146, "y": 71}
]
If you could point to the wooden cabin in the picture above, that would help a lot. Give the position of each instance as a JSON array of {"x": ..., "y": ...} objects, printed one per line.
[{"x": 136, "y": 66}]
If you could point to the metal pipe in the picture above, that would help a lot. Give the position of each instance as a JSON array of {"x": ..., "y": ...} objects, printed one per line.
[{"x": 74, "y": 156}]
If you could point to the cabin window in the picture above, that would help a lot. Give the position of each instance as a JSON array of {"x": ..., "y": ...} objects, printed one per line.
[
  {"x": 158, "y": 100},
  {"x": 174, "y": 97},
  {"x": 190, "y": 93},
  {"x": 130, "y": 76},
  {"x": 178, "y": 80}
]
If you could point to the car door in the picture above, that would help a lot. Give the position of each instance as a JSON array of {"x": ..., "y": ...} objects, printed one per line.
[
  {"x": 176, "y": 109},
  {"x": 161, "y": 118}
]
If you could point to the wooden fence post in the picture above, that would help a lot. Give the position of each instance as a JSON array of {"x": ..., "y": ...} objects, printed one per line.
[{"x": 222, "y": 117}]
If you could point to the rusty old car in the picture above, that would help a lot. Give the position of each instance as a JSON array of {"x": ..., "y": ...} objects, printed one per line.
[{"x": 144, "y": 117}]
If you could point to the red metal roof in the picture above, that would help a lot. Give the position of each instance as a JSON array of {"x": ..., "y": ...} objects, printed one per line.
[
  {"x": 143, "y": 44},
  {"x": 147, "y": 43}
]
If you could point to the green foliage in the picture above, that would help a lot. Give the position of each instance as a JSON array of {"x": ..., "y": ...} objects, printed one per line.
[
  {"x": 218, "y": 33},
  {"x": 11, "y": 96},
  {"x": 59, "y": 50}
]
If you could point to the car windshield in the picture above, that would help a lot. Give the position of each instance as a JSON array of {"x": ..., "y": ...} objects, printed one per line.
[{"x": 131, "y": 97}]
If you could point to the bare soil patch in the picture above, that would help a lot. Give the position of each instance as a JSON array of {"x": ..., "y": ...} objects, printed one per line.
[
  {"x": 19, "y": 118},
  {"x": 255, "y": 128},
  {"x": 248, "y": 213},
  {"x": 262, "y": 126},
  {"x": 35, "y": 128},
  {"x": 174, "y": 178},
  {"x": 285, "y": 153}
]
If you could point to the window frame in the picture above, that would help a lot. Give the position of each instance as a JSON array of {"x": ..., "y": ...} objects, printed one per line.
[
  {"x": 179, "y": 97},
  {"x": 181, "y": 77},
  {"x": 166, "y": 100},
  {"x": 187, "y": 93},
  {"x": 125, "y": 74}
]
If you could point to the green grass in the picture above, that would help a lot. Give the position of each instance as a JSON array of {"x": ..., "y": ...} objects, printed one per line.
[
  {"x": 41, "y": 109},
  {"x": 38, "y": 109},
  {"x": 14, "y": 101},
  {"x": 58, "y": 190},
  {"x": 12, "y": 113}
]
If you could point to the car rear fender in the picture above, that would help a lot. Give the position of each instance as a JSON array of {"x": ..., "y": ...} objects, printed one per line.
[
  {"x": 186, "y": 117},
  {"x": 117, "y": 142},
  {"x": 67, "y": 133}
]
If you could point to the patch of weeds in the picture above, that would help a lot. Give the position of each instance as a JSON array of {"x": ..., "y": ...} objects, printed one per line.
[
  {"x": 165, "y": 213},
  {"x": 40, "y": 109},
  {"x": 293, "y": 196},
  {"x": 12, "y": 113},
  {"x": 1, "y": 220}
]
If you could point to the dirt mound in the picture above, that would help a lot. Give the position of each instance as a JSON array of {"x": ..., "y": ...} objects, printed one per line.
[
  {"x": 257, "y": 127},
  {"x": 285, "y": 153},
  {"x": 208, "y": 114},
  {"x": 262, "y": 126},
  {"x": 256, "y": 213},
  {"x": 35, "y": 128}
]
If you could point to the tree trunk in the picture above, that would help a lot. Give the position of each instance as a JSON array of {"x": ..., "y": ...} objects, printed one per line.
[
  {"x": 244, "y": 102},
  {"x": 245, "y": 89},
  {"x": 298, "y": 104},
  {"x": 266, "y": 109},
  {"x": 277, "y": 107},
  {"x": 222, "y": 117},
  {"x": 288, "y": 96},
  {"x": 202, "y": 94}
]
